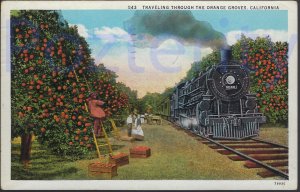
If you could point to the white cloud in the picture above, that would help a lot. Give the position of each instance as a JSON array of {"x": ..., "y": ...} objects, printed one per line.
[
  {"x": 275, "y": 35},
  {"x": 114, "y": 34},
  {"x": 169, "y": 43},
  {"x": 82, "y": 30},
  {"x": 152, "y": 71},
  {"x": 205, "y": 51}
]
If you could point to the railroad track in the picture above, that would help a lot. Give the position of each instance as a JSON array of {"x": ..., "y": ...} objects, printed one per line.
[{"x": 256, "y": 153}]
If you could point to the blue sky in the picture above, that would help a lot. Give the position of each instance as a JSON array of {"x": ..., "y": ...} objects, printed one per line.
[
  {"x": 96, "y": 18},
  {"x": 226, "y": 21},
  {"x": 112, "y": 45},
  {"x": 223, "y": 21}
]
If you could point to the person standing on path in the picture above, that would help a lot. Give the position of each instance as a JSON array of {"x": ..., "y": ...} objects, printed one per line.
[
  {"x": 97, "y": 113},
  {"x": 137, "y": 132},
  {"x": 133, "y": 115},
  {"x": 129, "y": 121}
]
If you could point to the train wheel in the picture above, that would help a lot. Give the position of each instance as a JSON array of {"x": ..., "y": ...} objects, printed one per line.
[
  {"x": 182, "y": 122},
  {"x": 202, "y": 131},
  {"x": 195, "y": 129},
  {"x": 190, "y": 125}
]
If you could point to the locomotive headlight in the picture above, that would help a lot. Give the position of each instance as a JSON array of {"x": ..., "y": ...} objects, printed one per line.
[{"x": 230, "y": 80}]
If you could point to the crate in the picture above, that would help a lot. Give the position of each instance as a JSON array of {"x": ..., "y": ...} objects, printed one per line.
[
  {"x": 140, "y": 152},
  {"x": 102, "y": 170},
  {"x": 119, "y": 159}
]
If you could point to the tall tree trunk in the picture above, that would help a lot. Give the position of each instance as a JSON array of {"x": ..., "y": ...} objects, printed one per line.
[{"x": 26, "y": 141}]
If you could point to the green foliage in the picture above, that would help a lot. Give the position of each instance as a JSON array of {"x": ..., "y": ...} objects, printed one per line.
[
  {"x": 203, "y": 65},
  {"x": 149, "y": 103},
  {"x": 195, "y": 69},
  {"x": 52, "y": 76},
  {"x": 46, "y": 53},
  {"x": 115, "y": 99},
  {"x": 167, "y": 92},
  {"x": 45, "y": 164},
  {"x": 132, "y": 96},
  {"x": 268, "y": 62},
  {"x": 210, "y": 60}
]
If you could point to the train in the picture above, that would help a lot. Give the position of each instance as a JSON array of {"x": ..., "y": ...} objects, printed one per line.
[{"x": 217, "y": 103}]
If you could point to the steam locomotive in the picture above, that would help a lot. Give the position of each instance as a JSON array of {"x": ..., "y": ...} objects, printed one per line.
[{"x": 217, "y": 103}]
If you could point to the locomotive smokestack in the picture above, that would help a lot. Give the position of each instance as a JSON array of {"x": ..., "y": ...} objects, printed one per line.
[{"x": 226, "y": 54}]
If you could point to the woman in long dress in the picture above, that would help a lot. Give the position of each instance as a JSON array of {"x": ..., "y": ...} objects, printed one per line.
[{"x": 137, "y": 132}]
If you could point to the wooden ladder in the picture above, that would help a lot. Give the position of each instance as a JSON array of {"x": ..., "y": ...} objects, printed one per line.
[
  {"x": 115, "y": 129},
  {"x": 102, "y": 127},
  {"x": 107, "y": 142}
]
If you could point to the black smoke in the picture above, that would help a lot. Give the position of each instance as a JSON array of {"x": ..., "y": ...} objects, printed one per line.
[{"x": 146, "y": 26}]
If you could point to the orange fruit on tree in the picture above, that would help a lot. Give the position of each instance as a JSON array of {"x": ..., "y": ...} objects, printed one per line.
[
  {"x": 86, "y": 138},
  {"x": 89, "y": 145},
  {"x": 87, "y": 124},
  {"x": 43, "y": 129}
]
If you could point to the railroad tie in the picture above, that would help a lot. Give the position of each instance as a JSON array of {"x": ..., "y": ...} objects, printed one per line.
[
  {"x": 242, "y": 146},
  {"x": 265, "y": 174},
  {"x": 269, "y": 157},
  {"x": 237, "y": 142},
  {"x": 248, "y": 152},
  {"x": 250, "y": 164}
]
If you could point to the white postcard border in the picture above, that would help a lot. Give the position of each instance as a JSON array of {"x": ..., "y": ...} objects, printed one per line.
[{"x": 7, "y": 183}]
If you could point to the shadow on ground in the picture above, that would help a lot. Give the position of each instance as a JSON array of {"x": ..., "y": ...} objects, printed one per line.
[{"x": 44, "y": 165}]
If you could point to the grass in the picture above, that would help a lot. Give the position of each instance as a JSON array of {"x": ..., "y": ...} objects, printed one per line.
[
  {"x": 45, "y": 165},
  {"x": 175, "y": 155},
  {"x": 275, "y": 134},
  {"x": 272, "y": 125}
]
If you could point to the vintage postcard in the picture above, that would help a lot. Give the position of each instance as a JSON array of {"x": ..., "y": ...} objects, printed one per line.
[{"x": 149, "y": 95}]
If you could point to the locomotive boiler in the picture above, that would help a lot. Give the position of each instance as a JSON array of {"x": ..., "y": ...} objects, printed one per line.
[{"x": 217, "y": 103}]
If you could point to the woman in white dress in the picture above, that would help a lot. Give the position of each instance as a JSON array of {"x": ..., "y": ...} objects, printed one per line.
[{"x": 137, "y": 132}]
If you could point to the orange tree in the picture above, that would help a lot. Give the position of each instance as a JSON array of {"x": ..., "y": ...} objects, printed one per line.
[
  {"x": 132, "y": 99},
  {"x": 51, "y": 65},
  {"x": 268, "y": 65},
  {"x": 115, "y": 99}
]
